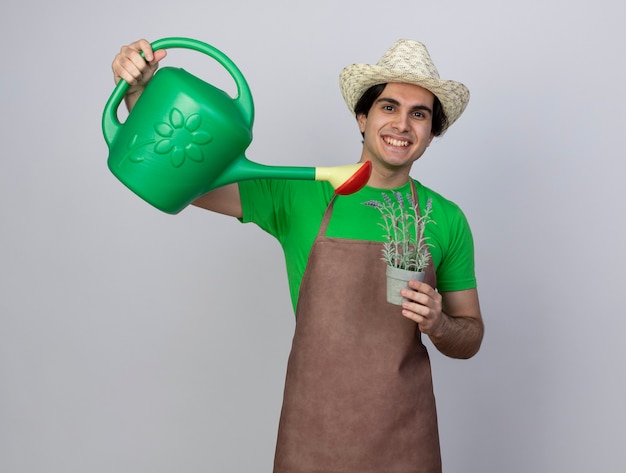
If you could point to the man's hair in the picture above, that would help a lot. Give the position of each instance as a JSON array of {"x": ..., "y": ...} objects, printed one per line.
[{"x": 363, "y": 106}]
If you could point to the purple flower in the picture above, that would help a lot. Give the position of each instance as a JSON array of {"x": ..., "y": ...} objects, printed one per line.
[
  {"x": 373, "y": 203},
  {"x": 399, "y": 198}
]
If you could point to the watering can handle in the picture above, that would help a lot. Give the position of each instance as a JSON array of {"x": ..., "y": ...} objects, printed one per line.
[{"x": 110, "y": 122}]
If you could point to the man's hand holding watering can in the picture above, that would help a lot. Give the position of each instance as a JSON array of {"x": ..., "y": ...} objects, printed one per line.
[{"x": 135, "y": 68}]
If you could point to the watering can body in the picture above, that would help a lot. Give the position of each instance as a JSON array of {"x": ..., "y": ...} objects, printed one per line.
[
  {"x": 182, "y": 134},
  {"x": 185, "y": 137}
]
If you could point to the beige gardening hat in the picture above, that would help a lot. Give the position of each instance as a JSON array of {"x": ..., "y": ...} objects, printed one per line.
[{"x": 406, "y": 61}]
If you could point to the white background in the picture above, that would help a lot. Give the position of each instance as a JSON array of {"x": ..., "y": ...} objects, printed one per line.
[{"x": 135, "y": 341}]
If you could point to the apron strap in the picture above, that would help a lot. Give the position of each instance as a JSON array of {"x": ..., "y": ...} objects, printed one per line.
[{"x": 326, "y": 218}]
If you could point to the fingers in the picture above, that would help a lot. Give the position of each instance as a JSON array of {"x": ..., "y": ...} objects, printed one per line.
[
  {"x": 159, "y": 55},
  {"x": 420, "y": 286},
  {"x": 145, "y": 47},
  {"x": 136, "y": 63},
  {"x": 416, "y": 306},
  {"x": 422, "y": 305},
  {"x": 421, "y": 293}
]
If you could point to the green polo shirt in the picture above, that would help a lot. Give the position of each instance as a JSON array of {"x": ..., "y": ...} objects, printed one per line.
[{"x": 292, "y": 211}]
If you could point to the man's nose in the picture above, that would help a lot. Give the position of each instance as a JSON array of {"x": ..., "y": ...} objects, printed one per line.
[{"x": 401, "y": 122}]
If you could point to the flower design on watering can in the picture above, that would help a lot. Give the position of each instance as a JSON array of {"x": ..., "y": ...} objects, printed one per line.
[{"x": 181, "y": 137}]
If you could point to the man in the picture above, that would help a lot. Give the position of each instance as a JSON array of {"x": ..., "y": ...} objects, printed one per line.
[{"x": 358, "y": 392}]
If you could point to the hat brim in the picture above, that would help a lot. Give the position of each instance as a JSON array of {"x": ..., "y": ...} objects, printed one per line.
[{"x": 354, "y": 80}]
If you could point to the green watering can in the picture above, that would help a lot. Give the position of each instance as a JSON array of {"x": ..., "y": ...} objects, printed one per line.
[{"x": 185, "y": 137}]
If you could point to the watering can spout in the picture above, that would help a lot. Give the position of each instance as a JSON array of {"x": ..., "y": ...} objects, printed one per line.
[{"x": 346, "y": 179}]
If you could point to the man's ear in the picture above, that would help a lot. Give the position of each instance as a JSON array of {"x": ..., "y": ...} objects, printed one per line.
[{"x": 361, "y": 120}]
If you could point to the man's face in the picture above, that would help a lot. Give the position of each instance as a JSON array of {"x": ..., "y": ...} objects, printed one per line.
[{"x": 398, "y": 127}]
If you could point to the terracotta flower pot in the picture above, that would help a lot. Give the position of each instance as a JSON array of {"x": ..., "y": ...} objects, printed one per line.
[{"x": 398, "y": 279}]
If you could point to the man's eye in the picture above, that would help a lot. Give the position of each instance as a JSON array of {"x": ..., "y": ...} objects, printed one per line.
[{"x": 388, "y": 107}]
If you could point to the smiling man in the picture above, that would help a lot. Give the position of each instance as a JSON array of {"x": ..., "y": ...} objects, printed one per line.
[
  {"x": 358, "y": 392},
  {"x": 397, "y": 129}
]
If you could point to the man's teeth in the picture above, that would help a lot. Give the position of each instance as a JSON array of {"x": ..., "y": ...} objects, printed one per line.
[{"x": 393, "y": 142}]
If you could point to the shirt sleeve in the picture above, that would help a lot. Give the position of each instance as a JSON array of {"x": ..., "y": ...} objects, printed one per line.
[
  {"x": 456, "y": 271},
  {"x": 263, "y": 203}
]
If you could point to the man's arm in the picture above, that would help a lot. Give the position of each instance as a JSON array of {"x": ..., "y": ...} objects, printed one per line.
[
  {"x": 224, "y": 200},
  {"x": 452, "y": 320}
]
